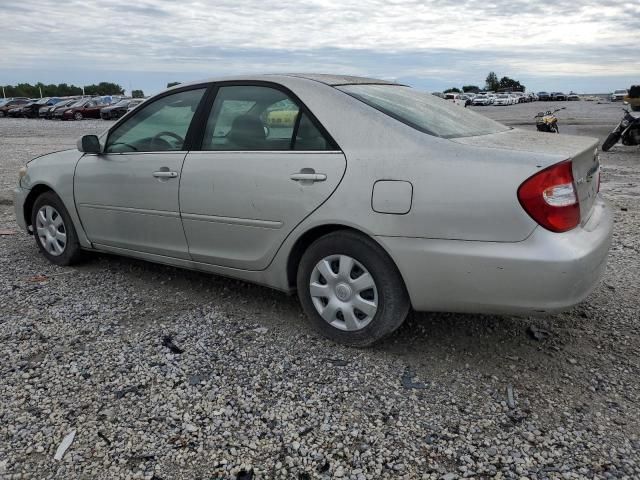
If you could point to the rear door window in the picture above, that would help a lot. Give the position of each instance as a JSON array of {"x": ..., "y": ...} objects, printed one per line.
[{"x": 259, "y": 118}]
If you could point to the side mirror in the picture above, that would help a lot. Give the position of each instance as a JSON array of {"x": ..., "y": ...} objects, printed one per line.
[{"x": 89, "y": 144}]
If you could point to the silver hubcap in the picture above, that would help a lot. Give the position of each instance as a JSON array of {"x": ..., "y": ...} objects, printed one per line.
[
  {"x": 343, "y": 292},
  {"x": 51, "y": 230}
]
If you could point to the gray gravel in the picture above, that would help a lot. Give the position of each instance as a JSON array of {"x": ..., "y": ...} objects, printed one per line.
[{"x": 166, "y": 374}]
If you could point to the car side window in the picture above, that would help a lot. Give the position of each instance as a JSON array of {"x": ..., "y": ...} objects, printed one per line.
[
  {"x": 158, "y": 126},
  {"x": 255, "y": 118},
  {"x": 308, "y": 137}
]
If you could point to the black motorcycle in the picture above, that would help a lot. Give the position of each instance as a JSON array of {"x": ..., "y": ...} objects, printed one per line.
[{"x": 628, "y": 130}]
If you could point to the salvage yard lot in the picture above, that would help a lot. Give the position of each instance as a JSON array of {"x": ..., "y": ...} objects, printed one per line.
[{"x": 165, "y": 373}]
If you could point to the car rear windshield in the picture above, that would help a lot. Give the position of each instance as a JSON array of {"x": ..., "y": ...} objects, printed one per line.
[{"x": 424, "y": 112}]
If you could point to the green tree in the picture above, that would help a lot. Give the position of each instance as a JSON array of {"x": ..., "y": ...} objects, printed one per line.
[
  {"x": 60, "y": 90},
  {"x": 470, "y": 88},
  {"x": 511, "y": 84},
  {"x": 172, "y": 84},
  {"x": 104, "y": 88},
  {"x": 137, "y": 94},
  {"x": 452, "y": 90},
  {"x": 492, "y": 83}
]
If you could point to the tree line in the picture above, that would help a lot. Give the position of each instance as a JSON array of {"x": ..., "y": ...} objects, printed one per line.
[
  {"x": 61, "y": 90},
  {"x": 491, "y": 84}
]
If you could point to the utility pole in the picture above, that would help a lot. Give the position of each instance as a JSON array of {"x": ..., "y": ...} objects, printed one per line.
[
  {"x": 3, "y": 95},
  {"x": 40, "y": 88}
]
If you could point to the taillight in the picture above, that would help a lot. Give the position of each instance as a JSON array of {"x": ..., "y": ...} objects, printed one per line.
[{"x": 550, "y": 198}]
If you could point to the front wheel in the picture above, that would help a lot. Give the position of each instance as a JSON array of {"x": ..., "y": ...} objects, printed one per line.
[
  {"x": 53, "y": 230},
  {"x": 78, "y": 116},
  {"x": 351, "y": 290},
  {"x": 611, "y": 140}
]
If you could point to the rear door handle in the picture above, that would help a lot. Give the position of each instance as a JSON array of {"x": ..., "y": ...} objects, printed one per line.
[
  {"x": 165, "y": 174},
  {"x": 308, "y": 177}
]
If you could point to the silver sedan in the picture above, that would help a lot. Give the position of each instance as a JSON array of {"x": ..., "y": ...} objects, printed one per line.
[{"x": 367, "y": 197}]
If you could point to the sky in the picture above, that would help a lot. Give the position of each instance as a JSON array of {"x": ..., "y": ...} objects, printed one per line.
[{"x": 586, "y": 46}]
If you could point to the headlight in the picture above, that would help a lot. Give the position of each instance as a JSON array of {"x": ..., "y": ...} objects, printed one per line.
[
  {"x": 22, "y": 172},
  {"x": 624, "y": 123},
  {"x": 69, "y": 111}
]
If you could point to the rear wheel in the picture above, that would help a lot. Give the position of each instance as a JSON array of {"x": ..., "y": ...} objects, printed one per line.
[
  {"x": 351, "y": 290},
  {"x": 611, "y": 140},
  {"x": 53, "y": 230}
]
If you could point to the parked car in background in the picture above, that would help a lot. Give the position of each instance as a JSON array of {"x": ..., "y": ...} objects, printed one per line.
[
  {"x": 533, "y": 97},
  {"x": 520, "y": 97},
  {"x": 557, "y": 97},
  {"x": 529, "y": 234},
  {"x": 48, "y": 112},
  {"x": 116, "y": 110},
  {"x": 618, "y": 95},
  {"x": 85, "y": 108},
  {"x": 135, "y": 103},
  {"x": 32, "y": 110},
  {"x": 10, "y": 104},
  {"x": 466, "y": 98},
  {"x": 481, "y": 99},
  {"x": 573, "y": 97},
  {"x": 503, "y": 99},
  {"x": 17, "y": 111},
  {"x": 544, "y": 96}
]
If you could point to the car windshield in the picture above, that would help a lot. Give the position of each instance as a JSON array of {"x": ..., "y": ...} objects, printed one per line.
[
  {"x": 122, "y": 103},
  {"x": 424, "y": 112},
  {"x": 620, "y": 91}
]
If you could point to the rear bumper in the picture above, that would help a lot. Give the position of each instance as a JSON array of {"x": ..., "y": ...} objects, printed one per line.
[{"x": 544, "y": 273}]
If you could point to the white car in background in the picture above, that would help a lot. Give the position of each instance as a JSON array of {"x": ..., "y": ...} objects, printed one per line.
[
  {"x": 481, "y": 100},
  {"x": 503, "y": 99},
  {"x": 618, "y": 95}
]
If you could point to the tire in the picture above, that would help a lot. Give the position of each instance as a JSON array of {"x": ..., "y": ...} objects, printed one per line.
[
  {"x": 388, "y": 293},
  {"x": 611, "y": 140},
  {"x": 55, "y": 218},
  {"x": 77, "y": 116}
]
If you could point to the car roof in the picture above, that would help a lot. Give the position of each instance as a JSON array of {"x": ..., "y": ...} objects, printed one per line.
[
  {"x": 335, "y": 80},
  {"x": 323, "y": 78}
]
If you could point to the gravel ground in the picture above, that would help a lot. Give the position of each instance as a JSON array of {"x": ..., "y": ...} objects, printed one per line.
[{"x": 168, "y": 374}]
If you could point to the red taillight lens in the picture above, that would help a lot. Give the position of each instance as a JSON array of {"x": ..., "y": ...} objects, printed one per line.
[{"x": 550, "y": 198}]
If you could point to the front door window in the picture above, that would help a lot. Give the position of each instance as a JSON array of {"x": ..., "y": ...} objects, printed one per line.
[{"x": 159, "y": 126}]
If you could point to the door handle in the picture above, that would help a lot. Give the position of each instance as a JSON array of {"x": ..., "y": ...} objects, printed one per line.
[
  {"x": 308, "y": 177},
  {"x": 165, "y": 174}
]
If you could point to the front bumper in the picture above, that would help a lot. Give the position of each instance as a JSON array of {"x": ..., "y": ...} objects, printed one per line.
[
  {"x": 19, "y": 197},
  {"x": 544, "y": 273}
]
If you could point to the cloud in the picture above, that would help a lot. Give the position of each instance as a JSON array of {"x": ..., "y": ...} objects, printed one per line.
[{"x": 433, "y": 41}]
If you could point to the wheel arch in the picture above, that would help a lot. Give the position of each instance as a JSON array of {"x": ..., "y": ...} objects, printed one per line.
[
  {"x": 311, "y": 235},
  {"x": 35, "y": 192}
]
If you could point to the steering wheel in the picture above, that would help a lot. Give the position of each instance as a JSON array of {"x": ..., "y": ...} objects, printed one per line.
[{"x": 157, "y": 136}]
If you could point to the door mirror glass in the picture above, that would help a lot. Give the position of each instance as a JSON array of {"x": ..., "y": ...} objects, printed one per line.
[{"x": 89, "y": 144}]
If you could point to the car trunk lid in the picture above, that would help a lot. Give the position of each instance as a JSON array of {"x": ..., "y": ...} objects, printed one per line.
[{"x": 582, "y": 151}]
